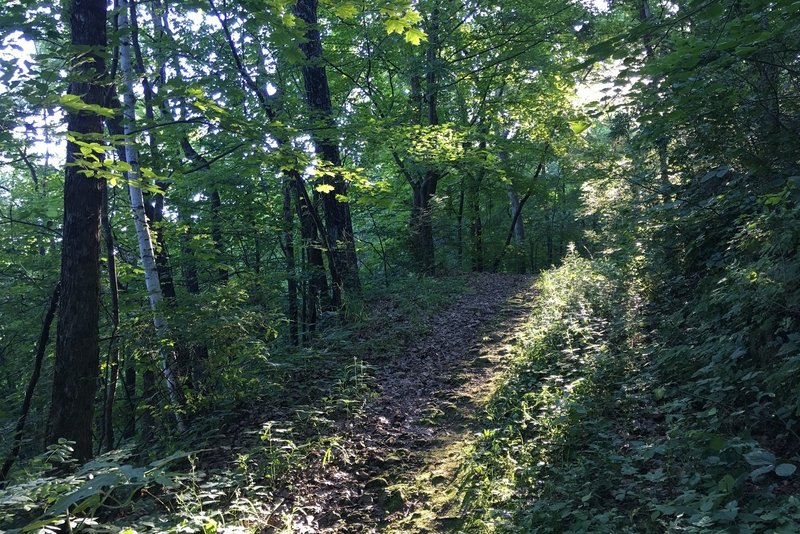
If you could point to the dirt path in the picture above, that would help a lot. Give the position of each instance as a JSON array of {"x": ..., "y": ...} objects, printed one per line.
[{"x": 397, "y": 463}]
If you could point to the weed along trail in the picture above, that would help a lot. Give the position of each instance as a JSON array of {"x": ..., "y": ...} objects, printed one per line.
[{"x": 396, "y": 462}]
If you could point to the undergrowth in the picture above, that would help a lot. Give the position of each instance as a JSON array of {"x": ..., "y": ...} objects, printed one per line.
[
  {"x": 629, "y": 411},
  {"x": 244, "y": 453}
]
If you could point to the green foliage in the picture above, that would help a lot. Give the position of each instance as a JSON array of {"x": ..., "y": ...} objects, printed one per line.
[
  {"x": 594, "y": 431},
  {"x": 658, "y": 388},
  {"x": 40, "y": 501}
]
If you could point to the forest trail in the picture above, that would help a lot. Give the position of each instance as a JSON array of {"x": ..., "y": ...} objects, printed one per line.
[{"x": 403, "y": 452}]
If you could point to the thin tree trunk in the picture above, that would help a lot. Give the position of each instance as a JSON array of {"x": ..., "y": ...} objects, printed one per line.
[
  {"x": 425, "y": 185},
  {"x": 147, "y": 404},
  {"x": 140, "y": 221},
  {"x": 153, "y": 209},
  {"x": 76, "y": 366},
  {"x": 460, "y": 225},
  {"x": 477, "y": 225},
  {"x": 129, "y": 383},
  {"x": 291, "y": 272},
  {"x": 312, "y": 228},
  {"x": 517, "y": 214},
  {"x": 188, "y": 267},
  {"x": 421, "y": 223},
  {"x": 113, "y": 347},
  {"x": 41, "y": 347},
  {"x": 216, "y": 234},
  {"x": 316, "y": 283}
]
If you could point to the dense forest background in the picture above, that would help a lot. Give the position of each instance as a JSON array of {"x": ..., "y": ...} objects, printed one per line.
[{"x": 206, "y": 205}]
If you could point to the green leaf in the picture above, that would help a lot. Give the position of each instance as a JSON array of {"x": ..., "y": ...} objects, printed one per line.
[
  {"x": 324, "y": 188},
  {"x": 760, "y": 457},
  {"x": 346, "y": 11},
  {"x": 579, "y": 126},
  {"x": 75, "y": 103},
  {"x": 755, "y": 473},
  {"x": 92, "y": 488},
  {"x": 415, "y": 36},
  {"x": 412, "y": 16},
  {"x": 395, "y": 26},
  {"x": 727, "y": 483},
  {"x": 785, "y": 470}
]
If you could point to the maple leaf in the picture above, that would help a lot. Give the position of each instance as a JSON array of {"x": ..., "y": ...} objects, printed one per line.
[
  {"x": 324, "y": 188},
  {"x": 395, "y": 26},
  {"x": 412, "y": 16},
  {"x": 415, "y": 36},
  {"x": 346, "y": 11}
]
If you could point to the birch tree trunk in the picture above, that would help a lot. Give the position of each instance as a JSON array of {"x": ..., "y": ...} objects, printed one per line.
[{"x": 140, "y": 220}]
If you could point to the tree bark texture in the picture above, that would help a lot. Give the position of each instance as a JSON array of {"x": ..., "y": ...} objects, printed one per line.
[
  {"x": 423, "y": 188},
  {"x": 291, "y": 271},
  {"x": 113, "y": 347},
  {"x": 146, "y": 253},
  {"x": 76, "y": 366},
  {"x": 338, "y": 221},
  {"x": 423, "y": 248},
  {"x": 315, "y": 283}
]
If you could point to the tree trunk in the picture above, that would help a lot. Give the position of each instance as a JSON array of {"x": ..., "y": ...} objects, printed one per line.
[
  {"x": 129, "y": 383},
  {"x": 423, "y": 188},
  {"x": 460, "y": 225},
  {"x": 154, "y": 206},
  {"x": 151, "y": 277},
  {"x": 113, "y": 347},
  {"x": 41, "y": 347},
  {"x": 216, "y": 234},
  {"x": 316, "y": 284},
  {"x": 76, "y": 366},
  {"x": 338, "y": 221},
  {"x": 519, "y": 230},
  {"x": 291, "y": 271},
  {"x": 422, "y": 245},
  {"x": 154, "y": 211},
  {"x": 477, "y": 225},
  {"x": 191, "y": 280}
]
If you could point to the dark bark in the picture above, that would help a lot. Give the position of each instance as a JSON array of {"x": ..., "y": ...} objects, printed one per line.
[
  {"x": 423, "y": 187},
  {"x": 76, "y": 366},
  {"x": 189, "y": 266},
  {"x": 154, "y": 209},
  {"x": 113, "y": 347},
  {"x": 460, "y": 225},
  {"x": 148, "y": 402},
  {"x": 315, "y": 283},
  {"x": 312, "y": 229},
  {"x": 517, "y": 214},
  {"x": 216, "y": 233},
  {"x": 308, "y": 207},
  {"x": 338, "y": 220},
  {"x": 215, "y": 203},
  {"x": 513, "y": 231},
  {"x": 41, "y": 347},
  {"x": 477, "y": 226},
  {"x": 291, "y": 271},
  {"x": 129, "y": 431},
  {"x": 518, "y": 226},
  {"x": 422, "y": 245}
]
